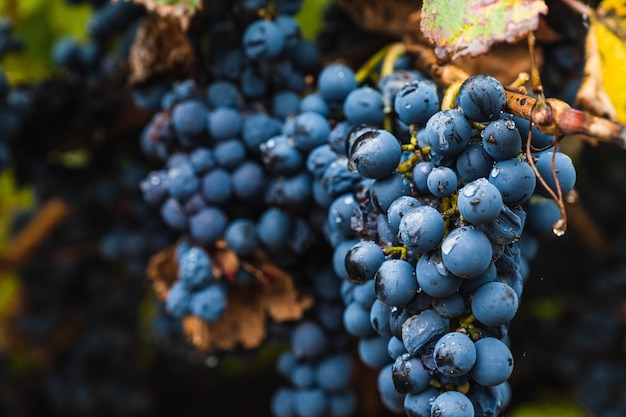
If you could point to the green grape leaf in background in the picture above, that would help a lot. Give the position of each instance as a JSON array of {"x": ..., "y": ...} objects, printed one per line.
[
  {"x": 39, "y": 23},
  {"x": 460, "y": 27}
]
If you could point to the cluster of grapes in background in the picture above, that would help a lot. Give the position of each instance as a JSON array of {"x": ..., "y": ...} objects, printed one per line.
[{"x": 411, "y": 224}]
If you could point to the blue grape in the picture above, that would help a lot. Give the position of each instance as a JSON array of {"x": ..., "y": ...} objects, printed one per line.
[
  {"x": 208, "y": 225},
  {"x": 289, "y": 26},
  {"x": 340, "y": 212},
  {"x": 258, "y": 128},
  {"x": 182, "y": 181},
  {"x": 334, "y": 373},
  {"x": 422, "y": 228},
  {"x": 339, "y": 257},
  {"x": 285, "y": 363},
  {"x": 501, "y": 139},
  {"x": 452, "y": 404},
  {"x": 364, "y": 105},
  {"x": 373, "y": 351},
  {"x": 490, "y": 275},
  {"x": 375, "y": 154},
  {"x": 318, "y": 160},
  {"x": 506, "y": 228},
  {"x": 173, "y": 214},
  {"x": 494, "y": 303},
  {"x": 515, "y": 179},
  {"x": 363, "y": 260},
  {"x": 216, "y": 186},
  {"x": 398, "y": 209},
  {"x": 379, "y": 318},
  {"x": 447, "y": 132},
  {"x": 455, "y": 354},
  {"x": 281, "y": 403},
  {"x": 420, "y": 175},
  {"x": 395, "y": 347},
  {"x": 285, "y": 103},
  {"x": 223, "y": 93},
  {"x": 419, "y": 405},
  {"x": 337, "y": 138},
  {"x": 356, "y": 320},
  {"x": 241, "y": 237},
  {"x": 311, "y": 130},
  {"x": 386, "y": 234},
  {"x": 409, "y": 375},
  {"x": 154, "y": 187},
  {"x": 391, "y": 399},
  {"x": 177, "y": 301},
  {"x": 289, "y": 191},
  {"x": 564, "y": 168},
  {"x": 473, "y": 163},
  {"x": 479, "y": 201},
  {"x": 338, "y": 179},
  {"x": 442, "y": 182},
  {"x": 314, "y": 102},
  {"x": 422, "y": 330},
  {"x": 342, "y": 404},
  {"x": 302, "y": 375},
  {"x": 542, "y": 215},
  {"x": 308, "y": 340},
  {"x": 481, "y": 98},
  {"x": 385, "y": 190},
  {"x": 209, "y": 303},
  {"x": 253, "y": 84},
  {"x": 395, "y": 282},
  {"x": 311, "y": 402},
  {"x": 364, "y": 294},
  {"x": 230, "y": 153},
  {"x": 195, "y": 268},
  {"x": 335, "y": 82},
  {"x": 274, "y": 228},
  {"x": 466, "y": 252},
  {"x": 281, "y": 156},
  {"x": 433, "y": 278},
  {"x": 494, "y": 362},
  {"x": 451, "y": 306},
  {"x": 263, "y": 39},
  {"x": 417, "y": 101},
  {"x": 248, "y": 181},
  {"x": 202, "y": 159},
  {"x": 224, "y": 123},
  {"x": 189, "y": 119}
]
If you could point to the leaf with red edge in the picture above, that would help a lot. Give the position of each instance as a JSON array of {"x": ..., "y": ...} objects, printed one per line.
[{"x": 460, "y": 27}]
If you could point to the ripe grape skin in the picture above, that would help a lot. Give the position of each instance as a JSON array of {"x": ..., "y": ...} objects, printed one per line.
[
  {"x": 452, "y": 404},
  {"x": 433, "y": 278},
  {"x": 384, "y": 191},
  {"x": 494, "y": 303},
  {"x": 501, "y": 139},
  {"x": 182, "y": 181},
  {"x": 208, "y": 224},
  {"x": 398, "y": 209},
  {"x": 335, "y": 82},
  {"x": 311, "y": 130},
  {"x": 479, "y": 201},
  {"x": 451, "y": 306},
  {"x": 274, "y": 228},
  {"x": 363, "y": 261},
  {"x": 195, "y": 268},
  {"x": 416, "y": 101},
  {"x": 375, "y": 154},
  {"x": 454, "y": 354},
  {"x": 391, "y": 398},
  {"x": 209, "y": 303},
  {"x": 565, "y": 172},
  {"x": 308, "y": 340},
  {"x": 473, "y": 163},
  {"x": 422, "y": 228},
  {"x": 230, "y": 153},
  {"x": 318, "y": 160},
  {"x": 395, "y": 282},
  {"x": 281, "y": 156},
  {"x": 379, "y": 318},
  {"x": 409, "y": 375},
  {"x": 263, "y": 39},
  {"x": 248, "y": 181},
  {"x": 515, "y": 179},
  {"x": 216, "y": 186},
  {"x": 420, "y": 404},
  {"x": 373, "y": 351},
  {"x": 364, "y": 105},
  {"x": 420, "y": 175},
  {"x": 494, "y": 362},
  {"x": 310, "y": 402},
  {"x": 241, "y": 236},
  {"x": 177, "y": 301},
  {"x": 466, "y": 252},
  {"x": 447, "y": 132},
  {"x": 481, "y": 98},
  {"x": 421, "y": 330},
  {"x": 356, "y": 320},
  {"x": 442, "y": 181},
  {"x": 173, "y": 214}
]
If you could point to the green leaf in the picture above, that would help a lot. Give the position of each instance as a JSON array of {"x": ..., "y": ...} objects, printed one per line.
[{"x": 460, "y": 27}]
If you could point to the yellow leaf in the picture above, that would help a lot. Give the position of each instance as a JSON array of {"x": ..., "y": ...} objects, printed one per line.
[{"x": 612, "y": 52}]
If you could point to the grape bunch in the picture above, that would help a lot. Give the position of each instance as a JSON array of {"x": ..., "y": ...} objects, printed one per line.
[{"x": 425, "y": 221}]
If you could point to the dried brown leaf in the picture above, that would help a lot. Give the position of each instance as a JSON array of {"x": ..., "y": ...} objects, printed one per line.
[
  {"x": 183, "y": 10},
  {"x": 161, "y": 49}
]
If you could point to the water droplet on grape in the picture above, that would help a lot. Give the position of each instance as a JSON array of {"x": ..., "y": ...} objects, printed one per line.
[{"x": 559, "y": 227}]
